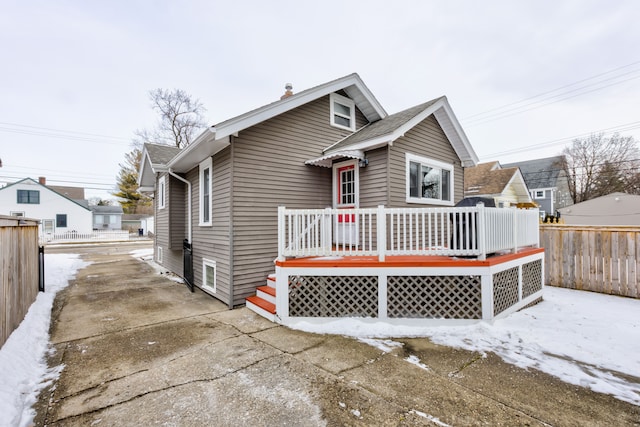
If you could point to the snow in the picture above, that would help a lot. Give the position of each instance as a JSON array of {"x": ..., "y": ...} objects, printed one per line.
[
  {"x": 23, "y": 365},
  {"x": 583, "y": 338}
]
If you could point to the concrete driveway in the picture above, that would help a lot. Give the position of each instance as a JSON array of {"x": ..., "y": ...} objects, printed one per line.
[{"x": 140, "y": 349}]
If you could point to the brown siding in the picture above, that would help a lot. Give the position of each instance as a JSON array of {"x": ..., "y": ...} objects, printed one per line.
[
  {"x": 177, "y": 205},
  {"x": 168, "y": 234},
  {"x": 212, "y": 242},
  {"x": 269, "y": 171},
  {"x": 373, "y": 179},
  {"x": 428, "y": 140}
]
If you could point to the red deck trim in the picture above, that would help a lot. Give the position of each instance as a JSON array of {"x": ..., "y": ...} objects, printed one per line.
[
  {"x": 405, "y": 260},
  {"x": 265, "y": 305},
  {"x": 268, "y": 290}
]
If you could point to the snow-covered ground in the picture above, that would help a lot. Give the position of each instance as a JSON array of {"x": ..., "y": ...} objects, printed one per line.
[{"x": 583, "y": 338}]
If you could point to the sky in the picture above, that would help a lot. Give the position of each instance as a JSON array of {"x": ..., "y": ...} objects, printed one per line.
[
  {"x": 524, "y": 78},
  {"x": 586, "y": 351}
]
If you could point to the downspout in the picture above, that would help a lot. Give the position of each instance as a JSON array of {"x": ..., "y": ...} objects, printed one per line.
[
  {"x": 179, "y": 178},
  {"x": 231, "y": 243}
]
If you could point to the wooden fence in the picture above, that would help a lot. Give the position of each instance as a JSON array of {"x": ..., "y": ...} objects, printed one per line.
[
  {"x": 594, "y": 258},
  {"x": 19, "y": 258}
]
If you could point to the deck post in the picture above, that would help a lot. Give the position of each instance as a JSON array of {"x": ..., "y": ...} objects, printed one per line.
[
  {"x": 327, "y": 235},
  {"x": 515, "y": 230},
  {"x": 486, "y": 284},
  {"x": 482, "y": 231},
  {"x": 281, "y": 233},
  {"x": 381, "y": 231}
]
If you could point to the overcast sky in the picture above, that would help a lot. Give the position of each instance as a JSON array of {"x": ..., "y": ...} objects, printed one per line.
[{"x": 523, "y": 77}]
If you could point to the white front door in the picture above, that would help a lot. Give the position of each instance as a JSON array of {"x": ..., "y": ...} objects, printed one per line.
[{"x": 345, "y": 196}]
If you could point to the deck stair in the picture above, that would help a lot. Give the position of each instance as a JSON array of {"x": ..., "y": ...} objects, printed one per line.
[{"x": 264, "y": 301}]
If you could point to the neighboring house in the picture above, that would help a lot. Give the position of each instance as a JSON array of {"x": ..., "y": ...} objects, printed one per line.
[
  {"x": 504, "y": 185},
  {"x": 329, "y": 146},
  {"x": 613, "y": 209},
  {"x": 547, "y": 183},
  {"x": 136, "y": 222},
  {"x": 107, "y": 217},
  {"x": 57, "y": 212}
]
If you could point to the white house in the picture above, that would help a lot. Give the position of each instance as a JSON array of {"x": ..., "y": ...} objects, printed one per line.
[{"x": 57, "y": 213}]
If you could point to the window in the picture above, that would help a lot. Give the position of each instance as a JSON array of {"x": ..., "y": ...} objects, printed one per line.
[
  {"x": 159, "y": 254},
  {"x": 343, "y": 112},
  {"x": 205, "y": 192},
  {"x": 31, "y": 197},
  {"x": 161, "y": 192},
  {"x": 98, "y": 219},
  {"x": 61, "y": 220},
  {"x": 18, "y": 214},
  {"x": 428, "y": 181},
  {"x": 209, "y": 275},
  {"x": 47, "y": 225},
  {"x": 539, "y": 194}
]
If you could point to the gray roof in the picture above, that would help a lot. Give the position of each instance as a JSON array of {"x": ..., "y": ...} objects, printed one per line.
[
  {"x": 106, "y": 209},
  {"x": 161, "y": 154},
  {"x": 539, "y": 173},
  {"x": 382, "y": 127}
]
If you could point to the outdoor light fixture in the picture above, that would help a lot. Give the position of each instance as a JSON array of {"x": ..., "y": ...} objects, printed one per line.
[{"x": 363, "y": 162}]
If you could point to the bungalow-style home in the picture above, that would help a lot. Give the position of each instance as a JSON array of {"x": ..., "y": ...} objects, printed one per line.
[
  {"x": 613, "y": 209},
  {"x": 353, "y": 208},
  {"x": 329, "y": 146},
  {"x": 547, "y": 182},
  {"x": 57, "y": 212},
  {"x": 505, "y": 186},
  {"x": 107, "y": 217}
]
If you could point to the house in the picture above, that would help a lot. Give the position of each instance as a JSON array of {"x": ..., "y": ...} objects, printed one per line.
[
  {"x": 332, "y": 145},
  {"x": 57, "y": 212},
  {"x": 547, "y": 182},
  {"x": 107, "y": 217},
  {"x": 615, "y": 209},
  {"x": 505, "y": 186},
  {"x": 137, "y": 222}
]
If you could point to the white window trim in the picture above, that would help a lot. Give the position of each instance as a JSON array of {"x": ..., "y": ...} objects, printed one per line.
[
  {"x": 162, "y": 192},
  {"x": 206, "y": 164},
  {"x": 536, "y": 192},
  {"x": 356, "y": 169},
  {"x": 17, "y": 213},
  {"x": 429, "y": 162},
  {"x": 333, "y": 98},
  {"x": 159, "y": 254},
  {"x": 209, "y": 263}
]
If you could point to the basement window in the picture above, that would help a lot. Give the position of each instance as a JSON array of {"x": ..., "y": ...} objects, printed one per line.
[{"x": 209, "y": 275}]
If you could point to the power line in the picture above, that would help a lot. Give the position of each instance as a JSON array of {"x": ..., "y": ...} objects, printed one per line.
[
  {"x": 64, "y": 131},
  {"x": 509, "y": 109},
  {"x": 613, "y": 129}
]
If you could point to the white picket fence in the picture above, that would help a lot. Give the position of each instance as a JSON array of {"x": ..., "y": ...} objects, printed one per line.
[
  {"x": 465, "y": 231},
  {"x": 92, "y": 237}
]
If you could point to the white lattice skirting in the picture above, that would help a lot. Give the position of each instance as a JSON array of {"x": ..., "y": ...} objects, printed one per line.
[{"x": 408, "y": 295}]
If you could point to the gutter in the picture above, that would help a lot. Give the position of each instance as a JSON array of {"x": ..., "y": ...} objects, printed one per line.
[{"x": 189, "y": 202}]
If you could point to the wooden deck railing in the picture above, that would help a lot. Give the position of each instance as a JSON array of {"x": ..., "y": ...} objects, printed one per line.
[{"x": 466, "y": 231}]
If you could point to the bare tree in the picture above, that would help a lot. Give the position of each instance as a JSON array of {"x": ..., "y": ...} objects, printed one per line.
[
  {"x": 597, "y": 165},
  {"x": 180, "y": 118}
]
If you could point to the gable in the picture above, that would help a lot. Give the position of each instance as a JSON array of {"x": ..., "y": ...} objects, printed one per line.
[
  {"x": 488, "y": 179},
  {"x": 215, "y": 138},
  {"x": 9, "y": 191},
  {"x": 387, "y": 130}
]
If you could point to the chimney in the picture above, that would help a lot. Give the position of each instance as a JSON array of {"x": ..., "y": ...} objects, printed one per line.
[
  {"x": 288, "y": 91},
  {"x": 42, "y": 180}
]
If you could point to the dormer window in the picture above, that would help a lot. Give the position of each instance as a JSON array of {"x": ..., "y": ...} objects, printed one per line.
[{"x": 343, "y": 112}]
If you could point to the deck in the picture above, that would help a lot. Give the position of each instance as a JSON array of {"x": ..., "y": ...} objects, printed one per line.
[{"x": 403, "y": 266}]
